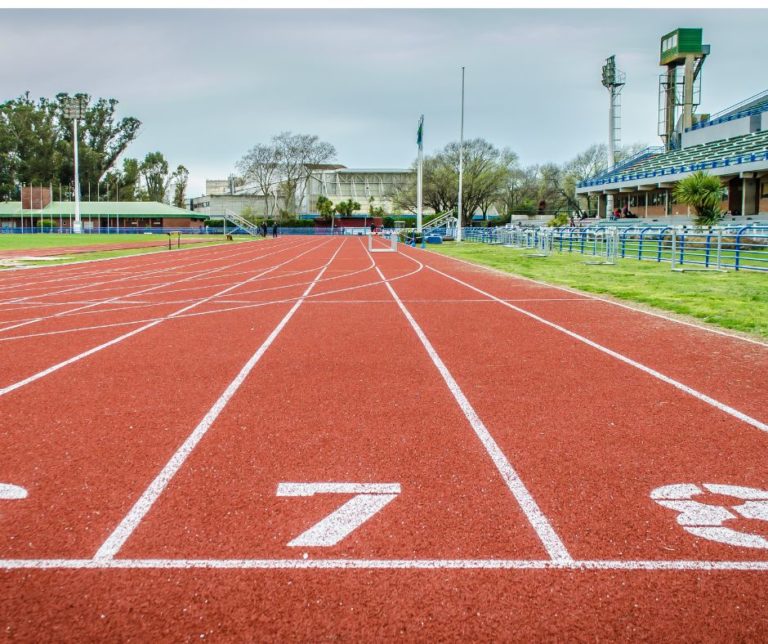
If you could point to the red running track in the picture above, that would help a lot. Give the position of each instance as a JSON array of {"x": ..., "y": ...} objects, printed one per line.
[{"x": 497, "y": 448}]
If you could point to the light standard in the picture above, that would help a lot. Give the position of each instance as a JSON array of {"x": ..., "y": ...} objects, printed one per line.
[{"x": 75, "y": 110}]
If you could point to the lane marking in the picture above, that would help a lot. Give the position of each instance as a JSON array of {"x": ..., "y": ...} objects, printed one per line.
[
  {"x": 232, "y": 308},
  {"x": 618, "y": 356},
  {"x": 706, "y": 520},
  {"x": 383, "y": 564},
  {"x": 369, "y": 499},
  {"x": 130, "y": 522},
  {"x": 41, "y": 374},
  {"x": 591, "y": 296},
  {"x": 65, "y": 272},
  {"x": 10, "y": 492},
  {"x": 134, "y": 293},
  {"x": 552, "y": 543}
]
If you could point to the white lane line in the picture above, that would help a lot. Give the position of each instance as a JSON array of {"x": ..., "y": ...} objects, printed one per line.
[
  {"x": 45, "y": 372},
  {"x": 597, "y": 298},
  {"x": 614, "y": 354},
  {"x": 115, "y": 541},
  {"x": 552, "y": 543},
  {"x": 254, "y": 305},
  {"x": 125, "y": 295},
  {"x": 383, "y": 564},
  {"x": 70, "y": 275}
]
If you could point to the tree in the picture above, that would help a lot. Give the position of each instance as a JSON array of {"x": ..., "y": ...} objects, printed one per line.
[
  {"x": 261, "y": 164},
  {"x": 592, "y": 162},
  {"x": 36, "y": 141},
  {"x": 180, "y": 181},
  {"x": 375, "y": 211},
  {"x": 122, "y": 185},
  {"x": 346, "y": 208},
  {"x": 298, "y": 155},
  {"x": 324, "y": 207},
  {"x": 157, "y": 178},
  {"x": 102, "y": 137},
  {"x": 704, "y": 193},
  {"x": 486, "y": 171},
  {"x": 154, "y": 170}
]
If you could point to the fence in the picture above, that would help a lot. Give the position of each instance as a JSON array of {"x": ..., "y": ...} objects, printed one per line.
[{"x": 716, "y": 247}]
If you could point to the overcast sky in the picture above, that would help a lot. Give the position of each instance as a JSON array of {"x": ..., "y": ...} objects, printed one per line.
[{"x": 209, "y": 84}]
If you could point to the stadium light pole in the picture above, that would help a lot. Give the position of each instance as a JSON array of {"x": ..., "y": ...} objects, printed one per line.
[
  {"x": 461, "y": 160},
  {"x": 74, "y": 111}
]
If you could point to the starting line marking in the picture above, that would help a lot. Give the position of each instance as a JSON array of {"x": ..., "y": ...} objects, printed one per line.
[{"x": 384, "y": 564}]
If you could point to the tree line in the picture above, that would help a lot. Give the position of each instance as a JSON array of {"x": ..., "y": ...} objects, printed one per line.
[
  {"x": 493, "y": 178},
  {"x": 36, "y": 149}
]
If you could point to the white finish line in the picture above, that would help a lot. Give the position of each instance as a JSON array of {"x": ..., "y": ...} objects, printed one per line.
[{"x": 382, "y": 564}]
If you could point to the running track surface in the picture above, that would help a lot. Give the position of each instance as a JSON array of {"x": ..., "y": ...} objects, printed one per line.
[
  {"x": 159, "y": 241},
  {"x": 297, "y": 439}
]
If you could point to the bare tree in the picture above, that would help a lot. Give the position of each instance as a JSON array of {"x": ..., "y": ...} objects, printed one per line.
[
  {"x": 592, "y": 162},
  {"x": 261, "y": 164},
  {"x": 298, "y": 155}
]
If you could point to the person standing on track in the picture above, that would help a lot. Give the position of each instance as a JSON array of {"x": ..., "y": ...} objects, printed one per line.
[{"x": 274, "y": 229}]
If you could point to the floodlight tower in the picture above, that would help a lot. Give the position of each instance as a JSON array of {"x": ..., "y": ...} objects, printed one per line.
[
  {"x": 614, "y": 81},
  {"x": 679, "y": 48},
  {"x": 75, "y": 109}
]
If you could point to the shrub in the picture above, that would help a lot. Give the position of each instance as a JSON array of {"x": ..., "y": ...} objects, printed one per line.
[{"x": 704, "y": 193}]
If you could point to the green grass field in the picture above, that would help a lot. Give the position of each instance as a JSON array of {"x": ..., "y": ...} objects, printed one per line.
[{"x": 733, "y": 300}]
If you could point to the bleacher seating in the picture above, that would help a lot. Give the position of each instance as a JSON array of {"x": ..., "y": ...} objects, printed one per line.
[{"x": 715, "y": 154}]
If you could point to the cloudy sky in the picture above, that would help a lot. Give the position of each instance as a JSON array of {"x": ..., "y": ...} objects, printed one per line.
[{"x": 209, "y": 84}]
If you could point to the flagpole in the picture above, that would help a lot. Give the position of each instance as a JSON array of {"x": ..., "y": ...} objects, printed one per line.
[
  {"x": 461, "y": 159},
  {"x": 420, "y": 177}
]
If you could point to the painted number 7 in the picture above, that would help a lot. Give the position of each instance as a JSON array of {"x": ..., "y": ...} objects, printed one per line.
[{"x": 369, "y": 499}]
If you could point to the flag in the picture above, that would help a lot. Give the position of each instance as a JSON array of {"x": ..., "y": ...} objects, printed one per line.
[{"x": 420, "y": 132}]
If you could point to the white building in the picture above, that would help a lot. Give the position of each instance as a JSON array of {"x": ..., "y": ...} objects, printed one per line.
[{"x": 366, "y": 186}]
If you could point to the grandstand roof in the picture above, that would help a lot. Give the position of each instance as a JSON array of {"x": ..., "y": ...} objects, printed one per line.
[
  {"x": 100, "y": 208},
  {"x": 726, "y": 156}
]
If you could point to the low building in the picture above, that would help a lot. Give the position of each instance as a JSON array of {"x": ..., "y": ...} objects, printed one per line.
[
  {"x": 367, "y": 186},
  {"x": 36, "y": 210}
]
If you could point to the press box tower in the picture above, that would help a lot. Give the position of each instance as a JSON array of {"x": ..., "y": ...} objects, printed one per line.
[{"x": 679, "y": 95}]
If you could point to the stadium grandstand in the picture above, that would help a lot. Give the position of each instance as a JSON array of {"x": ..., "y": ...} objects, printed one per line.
[
  {"x": 731, "y": 144},
  {"x": 37, "y": 210}
]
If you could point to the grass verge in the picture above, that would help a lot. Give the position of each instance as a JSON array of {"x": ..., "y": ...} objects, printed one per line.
[{"x": 736, "y": 300}]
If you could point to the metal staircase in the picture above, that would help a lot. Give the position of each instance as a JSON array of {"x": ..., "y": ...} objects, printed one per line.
[
  {"x": 239, "y": 222},
  {"x": 444, "y": 225}
]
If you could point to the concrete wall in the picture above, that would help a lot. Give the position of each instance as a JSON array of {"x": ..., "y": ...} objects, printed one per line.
[{"x": 717, "y": 132}]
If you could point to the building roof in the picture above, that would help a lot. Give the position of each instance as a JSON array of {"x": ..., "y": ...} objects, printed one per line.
[
  {"x": 375, "y": 171},
  {"x": 100, "y": 208}
]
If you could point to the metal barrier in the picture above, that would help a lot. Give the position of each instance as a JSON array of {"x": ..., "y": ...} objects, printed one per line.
[{"x": 683, "y": 247}]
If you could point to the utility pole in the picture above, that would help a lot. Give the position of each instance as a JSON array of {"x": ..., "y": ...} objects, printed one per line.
[{"x": 461, "y": 160}]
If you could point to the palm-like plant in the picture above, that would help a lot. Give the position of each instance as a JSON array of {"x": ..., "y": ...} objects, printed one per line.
[{"x": 703, "y": 193}]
